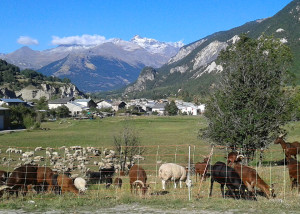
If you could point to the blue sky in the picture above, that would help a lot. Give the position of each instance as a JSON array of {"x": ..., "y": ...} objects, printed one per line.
[{"x": 36, "y": 22}]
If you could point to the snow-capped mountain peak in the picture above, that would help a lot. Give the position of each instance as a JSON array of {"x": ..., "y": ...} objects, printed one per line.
[{"x": 157, "y": 47}]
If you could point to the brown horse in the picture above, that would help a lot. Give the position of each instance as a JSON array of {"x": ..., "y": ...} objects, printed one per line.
[{"x": 290, "y": 149}]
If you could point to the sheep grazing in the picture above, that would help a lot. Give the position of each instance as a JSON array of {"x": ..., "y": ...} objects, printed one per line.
[
  {"x": 20, "y": 178},
  {"x": 201, "y": 169},
  {"x": 44, "y": 178},
  {"x": 63, "y": 183},
  {"x": 172, "y": 172},
  {"x": 138, "y": 178},
  {"x": 103, "y": 176},
  {"x": 80, "y": 184},
  {"x": 226, "y": 175},
  {"x": 38, "y": 149},
  {"x": 251, "y": 178},
  {"x": 28, "y": 154}
]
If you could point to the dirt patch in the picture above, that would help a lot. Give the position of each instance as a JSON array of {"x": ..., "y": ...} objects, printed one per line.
[{"x": 121, "y": 209}]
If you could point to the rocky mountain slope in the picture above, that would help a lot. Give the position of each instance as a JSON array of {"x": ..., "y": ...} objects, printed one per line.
[
  {"x": 30, "y": 85},
  {"x": 194, "y": 67},
  {"x": 110, "y": 65}
]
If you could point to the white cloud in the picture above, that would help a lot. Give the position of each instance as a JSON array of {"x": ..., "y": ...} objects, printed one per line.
[
  {"x": 26, "y": 40},
  {"x": 85, "y": 39}
]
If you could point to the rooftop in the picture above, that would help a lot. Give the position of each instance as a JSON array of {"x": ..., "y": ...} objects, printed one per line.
[
  {"x": 12, "y": 100},
  {"x": 61, "y": 100}
]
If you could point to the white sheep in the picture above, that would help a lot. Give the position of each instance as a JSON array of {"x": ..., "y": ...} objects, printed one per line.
[
  {"x": 80, "y": 184},
  {"x": 8, "y": 150},
  {"x": 27, "y": 154},
  {"x": 38, "y": 149},
  {"x": 173, "y": 172},
  {"x": 55, "y": 154}
]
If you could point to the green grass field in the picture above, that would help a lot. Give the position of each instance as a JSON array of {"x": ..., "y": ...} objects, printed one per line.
[{"x": 166, "y": 140}]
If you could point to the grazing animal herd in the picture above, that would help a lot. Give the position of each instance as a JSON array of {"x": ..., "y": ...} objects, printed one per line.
[{"x": 242, "y": 182}]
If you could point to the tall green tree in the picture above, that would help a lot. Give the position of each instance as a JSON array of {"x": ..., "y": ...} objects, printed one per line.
[
  {"x": 42, "y": 103},
  {"x": 171, "y": 108},
  {"x": 62, "y": 111},
  {"x": 249, "y": 106},
  {"x": 19, "y": 115}
]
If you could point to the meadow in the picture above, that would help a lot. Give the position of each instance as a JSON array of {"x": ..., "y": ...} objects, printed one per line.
[{"x": 166, "y": 139}]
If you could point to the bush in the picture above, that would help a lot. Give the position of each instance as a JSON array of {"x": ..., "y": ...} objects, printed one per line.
[{"x": 28, "y": 121}]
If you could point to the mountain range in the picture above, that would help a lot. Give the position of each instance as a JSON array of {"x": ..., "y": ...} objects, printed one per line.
[
  {"x": 194, "y": 68},
  {"x": 110, "y": 65}
]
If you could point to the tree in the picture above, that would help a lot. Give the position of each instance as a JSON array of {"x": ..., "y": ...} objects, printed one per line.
[
  {"x": 249, "y": 106},
  {"x": 42, "y": 103},
  {"x": 21, "y": 116},
  {"x": 127, "y": 144},
  {"x": 62, "y": 111},
  {"x": 171, "y": 108}
]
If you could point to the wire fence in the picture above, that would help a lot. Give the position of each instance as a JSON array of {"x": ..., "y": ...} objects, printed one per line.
[{"x": 278, "y": 173}]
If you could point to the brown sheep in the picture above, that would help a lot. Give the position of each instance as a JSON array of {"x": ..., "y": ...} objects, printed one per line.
[
  {"x": 118, "y": 182},
  {"x": 65, "y": 184},
  {"x": 251, "y": 178},
  {"x": 290, "y": 149},
  {"x": 294, "y": 172},
  {"x": 20, "y": 178},
  {"x": 44, "y": 178},
  {"x": 231, "y": 157},
  {"x": 138, "y": 178},
  {"x": 201, "y": 169}
]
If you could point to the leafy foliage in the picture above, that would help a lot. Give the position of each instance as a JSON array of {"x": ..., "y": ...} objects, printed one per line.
[
  {"x": 171, "y": 108},
  {"x": 249, "y": 105},
  {"x": 21, "y": 116},
  {"x": 62, "y": 111},
  {"x": 42, "y": 104}
]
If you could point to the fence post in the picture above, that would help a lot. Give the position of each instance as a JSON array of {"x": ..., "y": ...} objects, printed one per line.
[
  {"x": 284, "y": 181},
  {"x": 156, "y": 166},
  {"x": 271, "y": 171},
  {"x": 175, "y": 155},
  {"x": 297, "y": 170},
  {"x": 189, "y": 173},
  {"x": 256, "y": 168}
]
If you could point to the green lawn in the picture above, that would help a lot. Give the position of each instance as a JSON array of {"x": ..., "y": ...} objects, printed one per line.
[{"x": 166, "y": 139}]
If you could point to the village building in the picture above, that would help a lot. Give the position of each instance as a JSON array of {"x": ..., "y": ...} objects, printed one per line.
[
  {"x": 11, "y": 102},
  {"x": 86, "y": 103},
  {"x": 159, "y": 108},
  {"x": 104, "y": 104},
  {"x": 52, "y": 104},
  {"x": 201, "y": 108},
  {"x": 187, "y": 108},
  {"x": 116, "y": 106},
  {"x": 76, "y": 108},
  {"x": 4, "y": 118}
]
